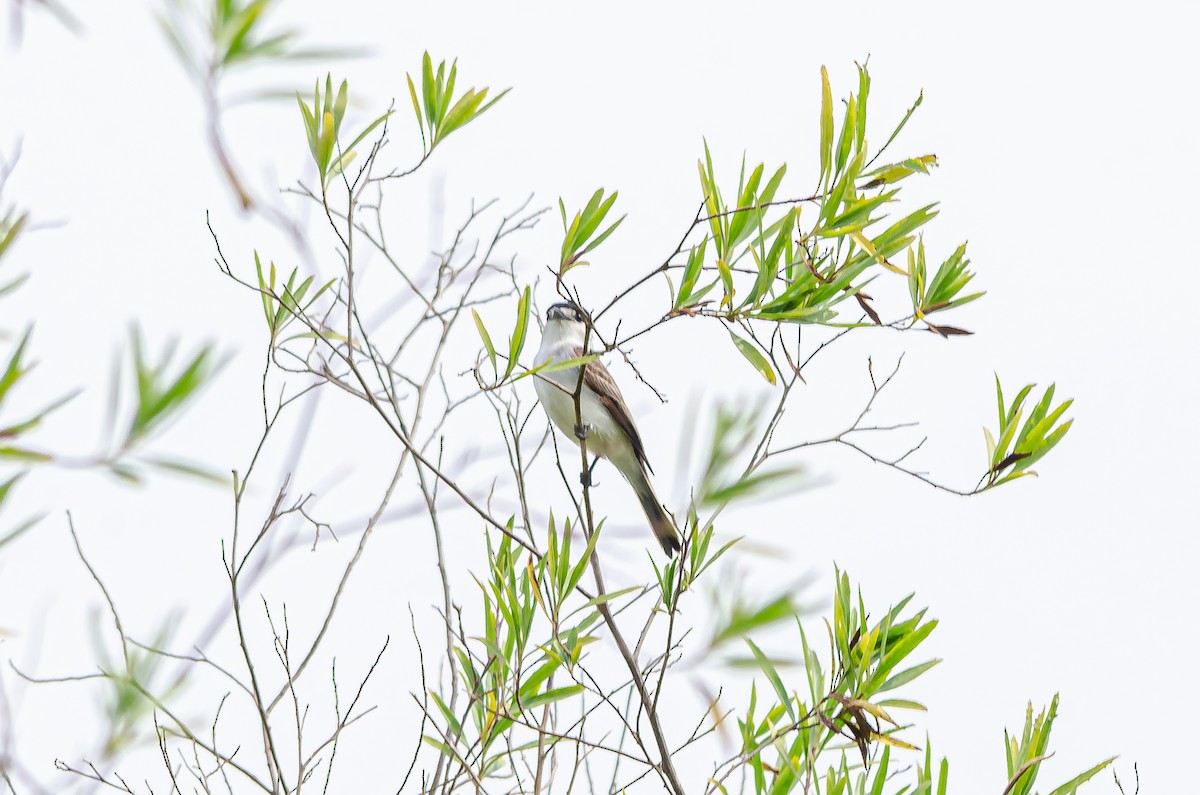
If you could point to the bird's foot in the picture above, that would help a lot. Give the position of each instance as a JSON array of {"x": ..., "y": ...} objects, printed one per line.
[
  {"x": 582, "y": 431},
  {"x": 585, "y": 477}
]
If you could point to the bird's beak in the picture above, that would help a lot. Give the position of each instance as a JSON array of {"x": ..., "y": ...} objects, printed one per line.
[{"x": 557, "y": 313}]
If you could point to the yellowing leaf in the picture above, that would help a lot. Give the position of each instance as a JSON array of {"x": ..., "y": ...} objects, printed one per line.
[{"x": 867, "y": 246}]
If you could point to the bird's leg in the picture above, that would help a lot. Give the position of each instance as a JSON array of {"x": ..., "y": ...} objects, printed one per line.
[{"x": 585, "y": 477}]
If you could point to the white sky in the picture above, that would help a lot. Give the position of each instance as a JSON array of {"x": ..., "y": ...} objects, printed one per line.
[{"x": 1066, "y": 135}]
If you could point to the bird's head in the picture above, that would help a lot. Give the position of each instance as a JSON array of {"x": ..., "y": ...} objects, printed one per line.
[{"x": 565, "y": 312}]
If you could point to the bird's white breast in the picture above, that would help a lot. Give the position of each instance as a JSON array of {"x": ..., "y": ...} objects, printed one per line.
[{"x": 604, "y": 437}]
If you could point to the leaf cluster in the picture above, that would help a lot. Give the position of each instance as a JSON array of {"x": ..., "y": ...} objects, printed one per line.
[
  {"x": 322, "y": 127},
  {"x": 785, "y": 747},
  {"x": 771, "y": 261},
  {"x": 227, "y": 33},
  {"x": 1024, "y": 754},
  {"x": 582, "y": 235},
  {"x": 438, "y": 112},
  {"x": 1017, "y": 446},
  {"x": 505, "y": 675},
  {"x": 283, "y": 307}
]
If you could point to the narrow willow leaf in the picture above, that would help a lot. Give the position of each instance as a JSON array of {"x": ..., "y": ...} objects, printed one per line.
[
  {"x": 517, "y": 341},
  {"x": 451, "y": 721},
  {"x": 325, "y": 144},
  {"x": 874, "y": 253},
  {"x": 1072, "y": 785},
  {"x": 727, "y": 280},
  {"x": 310, "y": 125},
  {"x": 772, "y": 675},
  {"x": 1044, "y": 447},
  {"x": 904, "y": 121},
  {"x": 903, "y": 703},
  {"x": 690, "y": 274},
  {"x": 439, "y": 745},
  {"x": 864, "y": 89},
  {"x": 428, "y": 93},
  {"x": 906, "y": 676},
  {"x": 549, "y": 366},
  {"x": 551, "y": 696},
  {"x": 603, "y": 235},
  {"x": 19, "y": 530},
  {"x": 339, "y": 105},
  {"x": 846, "y": 139},
  {"x": 826, "y": 125},
  {"x": 462, "y": 112},
  {"x": 595, "y": 601},
  {"x": 24, "y": 455},
  {"x": 412, "y": 93},
  {"x": 487, "y": 340},
  {"x": 366, "y": 132},
  {"x": 191, "y": 470},
  {"x": 892, "y": 740},
  {"x": 755, "y": 358},
  {"x": 14, "y": 370}
]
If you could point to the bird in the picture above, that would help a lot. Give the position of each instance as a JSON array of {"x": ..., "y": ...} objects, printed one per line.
[{"x": 607, "y": 426}]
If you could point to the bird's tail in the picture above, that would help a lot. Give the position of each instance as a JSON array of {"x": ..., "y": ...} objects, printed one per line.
[{"x": 660, "y": 520}]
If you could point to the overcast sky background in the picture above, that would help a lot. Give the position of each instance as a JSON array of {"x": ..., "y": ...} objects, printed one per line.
[{"x": 1066, "y": 135}]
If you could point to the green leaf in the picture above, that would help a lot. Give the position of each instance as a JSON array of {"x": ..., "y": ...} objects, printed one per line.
[
  {"x": 596, "y": 601},
  {"x": 690, "y": 273},
  {"x": 772, "y": 675},
  {"x": 603, "y": 235},
  {"x": 743, "y": 621},
  {"x": 752, "y": 354},
  {"x": 451, "y": 721},
  {"x": 190, "y": 470},
  {"x": 487, "y": 340},
  {"x": 15, "y": 370},
  {"x": 24, "y": 455},
  {"x": 310, "y": 125},
  {"x": 826, "y": 125},
  {"x": 904, "y": 121},
  {"x": 749, "y": 485},
  {"x": 1044, "y": 447},
  {"x": 517, "y": 341},
  {"x": 325, "y": 144},
  {"x": 462, "y": 112},
  {"x": 367, "y": 131},
  {"x": 6, "y": 487},
  {"x": 550, "y": 366},
  {"x": 1072, "y": 785},
  {"x": 727, "y": 281},
  {"x": 849, "y": 130},
  {"x": 906, "y": 676},
  {"x": 339, "y": 105},
  {"x": 428, "y": 95},
  {"x": 864, "y": 89},
  {"x": 902, "y": 703},
  {"x": 19, "y": 530},
  {"x": 551, "y": 696},
  {"x": 438, "y": 744},
  {"x": 412, "y": 93}
]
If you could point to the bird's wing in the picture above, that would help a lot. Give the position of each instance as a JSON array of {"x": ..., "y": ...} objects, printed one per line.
[{"x": 597, "y": 378}]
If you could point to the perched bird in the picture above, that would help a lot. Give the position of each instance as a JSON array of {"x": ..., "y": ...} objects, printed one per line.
[{"x": 607, "y": 424}]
